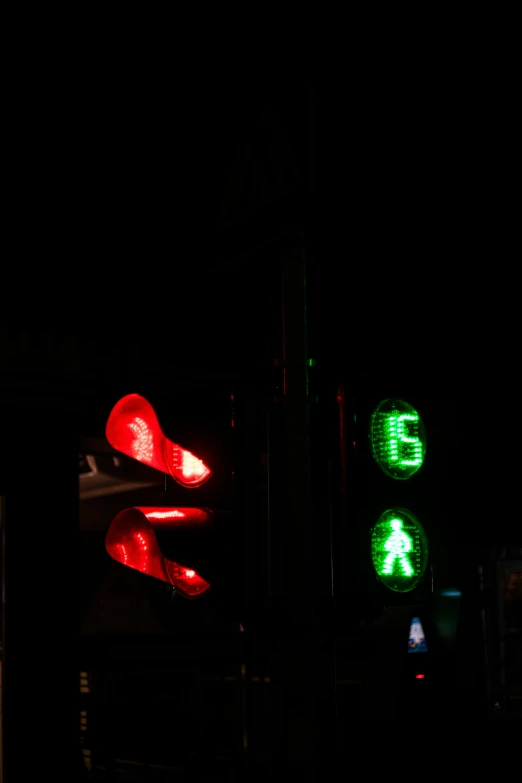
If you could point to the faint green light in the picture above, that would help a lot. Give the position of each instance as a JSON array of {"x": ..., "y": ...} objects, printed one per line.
[
  {"x": 398, "y": 438},
  {"x": 399, "y": 550}
]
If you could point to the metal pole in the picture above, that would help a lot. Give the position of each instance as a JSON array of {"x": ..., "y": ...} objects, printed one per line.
[{"x": 302, "y": 678}]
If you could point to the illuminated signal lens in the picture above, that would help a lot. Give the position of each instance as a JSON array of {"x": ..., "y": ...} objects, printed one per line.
[
  {"x": 186, "y": 581},
  {"x": 133, "y": 428},
  {"x": 398, "y": 438},
  {"x": 184, "y": 466},
  {"x": 399, "y": 550},
  {"x": 131, "y": 540}
]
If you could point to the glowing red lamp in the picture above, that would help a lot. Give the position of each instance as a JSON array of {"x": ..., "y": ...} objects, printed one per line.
[
  {"x": 133, "y": 428},
  {"x": 131, "y": 540}
]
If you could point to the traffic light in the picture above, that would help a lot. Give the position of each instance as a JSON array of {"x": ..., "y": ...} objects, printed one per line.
[
  {"x": 396, "y": 548},
  {"x": 133, "y": 428},
  {"x": 131, "y": 540},
  {"x": 396, "y": 533},
  {"x": 399, "y": 545},
  {"x": 174, "y": 542}
]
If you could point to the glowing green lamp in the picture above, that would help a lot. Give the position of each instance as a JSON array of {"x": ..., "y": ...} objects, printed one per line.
[
  {"x": 398, "y": 438},
  {"x": 399, "y": 550}
]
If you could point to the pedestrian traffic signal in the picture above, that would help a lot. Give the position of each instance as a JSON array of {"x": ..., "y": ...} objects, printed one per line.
[
  {"x": 396, "y": 473},
  {"x": 397, "y": 444}
]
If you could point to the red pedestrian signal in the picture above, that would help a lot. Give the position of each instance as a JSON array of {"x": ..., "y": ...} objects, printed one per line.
[{"x": 133, "y": 428}]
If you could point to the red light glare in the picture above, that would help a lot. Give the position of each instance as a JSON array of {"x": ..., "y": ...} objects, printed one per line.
[
  {"x": 177, "y": 517},
  {"x": 131, "y": 540},
  {"x": 133, "y": 428},
  {"x": 167, "y": 515},
  {"x": 187, "y": 469},
  {"x": 419, "y": 676}
]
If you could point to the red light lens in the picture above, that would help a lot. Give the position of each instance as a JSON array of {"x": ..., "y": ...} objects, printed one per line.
[
  {"x": 419, "y": 676},
  {"x": 186, "y": 580},
  {"x": 187, "y": 469},
  {"x": 133, "y": 428},
  {"x": 131, "y": 541}
]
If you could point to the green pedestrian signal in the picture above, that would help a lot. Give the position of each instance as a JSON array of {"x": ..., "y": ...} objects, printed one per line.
[
  {"x": 399, "y": 550},
  {"x": 398, "y": 545}
]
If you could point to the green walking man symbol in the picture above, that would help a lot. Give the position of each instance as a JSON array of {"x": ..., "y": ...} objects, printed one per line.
[{"x": 398, "y": 545}]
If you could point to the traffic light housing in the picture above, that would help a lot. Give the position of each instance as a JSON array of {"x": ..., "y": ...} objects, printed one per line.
[
  {"x": 396, "y": 531},
  {"x": 396, "y": 541},
  {"x": 180, "y": 542}
]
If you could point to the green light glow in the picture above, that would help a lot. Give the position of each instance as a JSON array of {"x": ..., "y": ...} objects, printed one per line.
[
  {"x": 399, "y": 550},
  {"x": 398, "y": 438}
]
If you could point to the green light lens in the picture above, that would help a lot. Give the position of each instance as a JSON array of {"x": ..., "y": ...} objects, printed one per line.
[
  {"x": 398, "y": 438},
  {"x": 399, "y": 550}
]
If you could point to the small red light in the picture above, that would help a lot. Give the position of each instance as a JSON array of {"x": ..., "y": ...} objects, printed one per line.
[
  {"x": 131, "y": 540},
  {"x": 133, "y": 428},
  {"x": 419, "y": 676}
]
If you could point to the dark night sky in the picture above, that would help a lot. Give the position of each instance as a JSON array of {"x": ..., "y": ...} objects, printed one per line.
[
  {"x": 121, "y": 203},
  {"x": 122, "y": 198},
  {"x": 131, "y": 215}
]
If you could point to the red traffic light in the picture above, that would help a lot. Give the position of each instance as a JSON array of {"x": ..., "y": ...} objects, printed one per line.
[
  {"x": 133, "y": 428},
  {"x": 131, "y": 540}
]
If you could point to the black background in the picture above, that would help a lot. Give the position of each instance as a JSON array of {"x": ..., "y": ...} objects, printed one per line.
[{"x": 115, "y": 207}]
